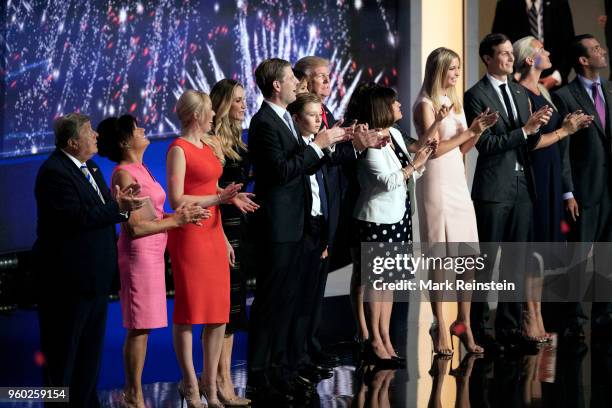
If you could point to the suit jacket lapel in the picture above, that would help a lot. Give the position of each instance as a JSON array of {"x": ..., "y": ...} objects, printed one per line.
[
  {"x": 491, "y": 94},
  {"x": 518, "y": 92},
  {"x": 280, "y": 122},
  {"x": 78, "y": 174},
  {"x": 585, "y": 102}
]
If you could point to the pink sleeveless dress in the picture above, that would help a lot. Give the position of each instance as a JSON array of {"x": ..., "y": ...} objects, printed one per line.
[
  {"x": 446, "y": 211},
  {"x": 141, "y": 262}
]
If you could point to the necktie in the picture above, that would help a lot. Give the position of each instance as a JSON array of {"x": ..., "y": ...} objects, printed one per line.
[
  {"x": 324, "y": 117},
  {"x": 511, "y": 118},
  {"x": 322, "y": 193},
  {"x": 289, "y": 122},
  {"x": 600, "y": 106},
  {"x": 533, "y": 15},
  {"x": 91, "y": 180}
]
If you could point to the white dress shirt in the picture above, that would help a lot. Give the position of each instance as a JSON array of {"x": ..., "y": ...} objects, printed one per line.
[
  {"x": 315, "y": 211},
  {"x": 496, "y": 85}
]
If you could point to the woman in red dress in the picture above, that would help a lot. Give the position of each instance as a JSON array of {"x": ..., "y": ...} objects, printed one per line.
[{"x": 200, "y": 254}]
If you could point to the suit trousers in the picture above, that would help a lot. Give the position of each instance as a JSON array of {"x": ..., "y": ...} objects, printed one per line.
[
  {"x": 503, "y": 222},
  {"x": 593, "y": 225},
  {"x": 272, "y": 310},
  {"x": 72, "y": 335},
  {"x": 313, "y": 277}
]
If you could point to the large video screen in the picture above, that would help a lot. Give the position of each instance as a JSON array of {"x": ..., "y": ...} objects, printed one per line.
[{"x": 111, "y": 57}]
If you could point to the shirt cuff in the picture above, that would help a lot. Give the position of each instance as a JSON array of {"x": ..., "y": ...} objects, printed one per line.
[
  {"x": 568, "y": 195},
  {"x": 317, "y": 149},
  {"x": 524, "y": 133},
  {"x": 557, "y": 76}
]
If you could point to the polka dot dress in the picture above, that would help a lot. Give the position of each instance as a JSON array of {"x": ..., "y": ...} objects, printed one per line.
[{"x": 400, "y": 231}]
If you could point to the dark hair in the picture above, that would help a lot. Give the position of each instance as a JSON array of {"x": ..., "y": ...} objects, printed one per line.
[
  {"x": 297, "y": 106},
  {"x": 267, "y": 72},
  {"x": 67, "y": 127},
  {"x": 377, "y": 107},
  {"x": 113, "y": 134},
  {"x": 577, "y": 49},
  {"x": 490, "y": 41},
  {"x": 299, "y": 74},
  {"x": 354, "y": 108}
]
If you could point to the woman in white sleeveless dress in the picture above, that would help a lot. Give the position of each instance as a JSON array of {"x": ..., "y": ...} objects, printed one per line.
[{"x": 446, "y": 212}]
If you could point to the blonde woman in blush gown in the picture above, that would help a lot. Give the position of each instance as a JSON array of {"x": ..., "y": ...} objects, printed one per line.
[{"x": 446, "y": 212}]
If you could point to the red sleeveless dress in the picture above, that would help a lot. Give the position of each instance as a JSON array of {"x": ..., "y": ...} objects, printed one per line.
[{"x": 198, "y": 254}]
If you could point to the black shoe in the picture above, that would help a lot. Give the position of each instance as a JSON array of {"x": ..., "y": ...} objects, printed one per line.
[
  {"x": 315, "y": 373},
  {"x": 573, "y": 333},
  {"x": 268, "y": 395},
  {"x": 516, "y": 342},
  {"x": 326, "y": 359},
  {"x": 488, "y": 342},
  {"x": 370, "y": 357}
]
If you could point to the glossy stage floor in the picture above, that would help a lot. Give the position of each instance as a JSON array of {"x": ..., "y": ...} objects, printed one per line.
[{"x": 572, "y": 375}]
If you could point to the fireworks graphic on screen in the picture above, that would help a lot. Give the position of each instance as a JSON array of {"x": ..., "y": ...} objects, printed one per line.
[{"x": 114, "y": 57}]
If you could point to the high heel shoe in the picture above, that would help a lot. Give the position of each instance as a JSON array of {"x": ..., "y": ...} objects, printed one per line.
[
  {"x": 235, "y": 401},
  {"x": 191, "y": 403},
  {"x": 211, "y": 404},
  {"x": 465, "y": 367},
  {"x": 434, "y": 332},
  {"x": 459, "y": 329},
  {"x": 370, "y": 357}
]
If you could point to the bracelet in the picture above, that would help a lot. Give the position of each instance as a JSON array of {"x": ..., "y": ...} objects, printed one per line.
[
  {"x": 219, "y": 198},
  {"x": 558, "y": 135}
]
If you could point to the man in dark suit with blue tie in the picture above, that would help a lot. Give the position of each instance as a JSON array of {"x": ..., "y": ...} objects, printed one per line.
[
  {"x": 587, "y": 176},
  {"x": 75, "y": 257},
  {"x": 503, "y": 189}
]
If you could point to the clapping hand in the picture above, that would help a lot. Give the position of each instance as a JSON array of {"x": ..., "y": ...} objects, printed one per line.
[
  {"x": 443, "y": 112},
  {"x": 229, "y": 192},
  {"x": 243, "y": 202},
  {"x": 484, "y": 121},
  {"x": 191, "y": 213},
  {"x": 127, "y": 198},
  {"x": 364, "y": 138},
  {"x": 575, "y": 121},
  {"x": 538, "y": 119}
]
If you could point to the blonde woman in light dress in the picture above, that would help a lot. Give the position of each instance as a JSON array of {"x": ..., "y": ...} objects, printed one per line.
[{"x": 446, "y": 212}]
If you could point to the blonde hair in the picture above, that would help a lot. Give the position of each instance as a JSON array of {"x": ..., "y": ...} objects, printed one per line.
[
  {"x": 227, "y": 130},
  {"x": 523, "y": 49},
  {"x": 308, "y": 64},
  {"x": 436, "y": 68},
  {"x": 190, "y": 103}
]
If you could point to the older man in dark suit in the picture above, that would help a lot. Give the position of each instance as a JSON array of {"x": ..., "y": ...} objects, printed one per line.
[
  {"x": 503, "y": 189},
  {"x": 587, "y": 170},
  {"x": 76, "y": 257}
]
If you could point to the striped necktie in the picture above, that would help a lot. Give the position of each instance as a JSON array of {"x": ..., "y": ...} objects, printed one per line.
[
  {"x": 91, "y": 180},
  {"x": 533, "y": 16}
]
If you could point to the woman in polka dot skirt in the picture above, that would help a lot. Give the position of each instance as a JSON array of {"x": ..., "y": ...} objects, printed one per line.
[{"x": 382, "y": 212}]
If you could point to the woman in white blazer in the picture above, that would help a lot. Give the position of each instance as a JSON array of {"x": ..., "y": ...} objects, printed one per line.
[{"x": 382, "y": 212}]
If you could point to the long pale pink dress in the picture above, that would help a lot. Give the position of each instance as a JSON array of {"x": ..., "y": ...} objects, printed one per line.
[
  {"x": 141, "y": 262},
  {"x": 446, "y": 211}
]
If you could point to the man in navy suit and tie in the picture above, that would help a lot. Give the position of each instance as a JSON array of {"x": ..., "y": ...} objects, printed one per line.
[{"x": 76, "y": 257}]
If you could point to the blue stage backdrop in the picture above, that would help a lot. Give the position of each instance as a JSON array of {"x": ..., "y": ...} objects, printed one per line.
[{"x": 112, "y": 57}]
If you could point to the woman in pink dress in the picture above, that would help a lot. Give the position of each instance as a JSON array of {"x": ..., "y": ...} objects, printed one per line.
[
  {"x": 446, "y": 212},
  {"x": 141, "y": 246}
]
